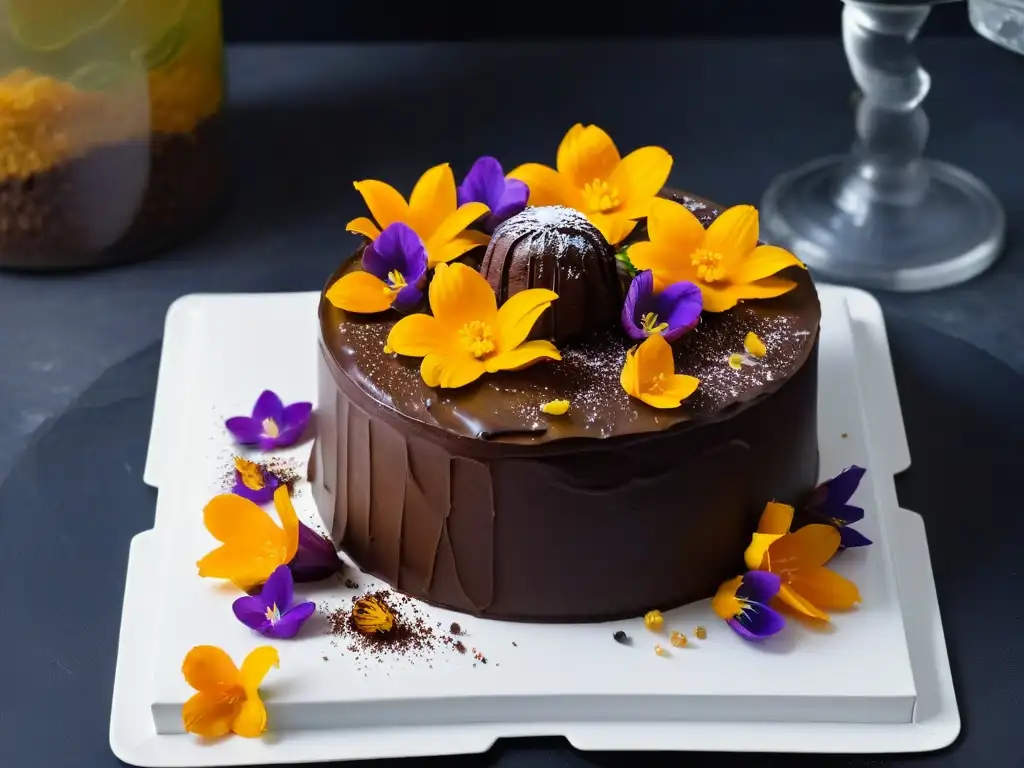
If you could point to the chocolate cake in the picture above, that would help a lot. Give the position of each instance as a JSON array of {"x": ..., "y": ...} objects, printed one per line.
[{"x": 482, "y": 500}]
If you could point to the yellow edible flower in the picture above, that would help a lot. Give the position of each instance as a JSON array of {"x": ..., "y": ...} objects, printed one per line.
[
  {"x": 555, "y": 407},
  {"x": 724, "y": 259},
  {"x": 467, "y": 335},
  {"x": 592, "y": 178},
  {"x": 252, "y": 544},
  {"x": 799, "y": 558},
  {"x": 432, "y": 212},
  {"x": 227, "y": 698},
  {"x": 649, "y": 374}
]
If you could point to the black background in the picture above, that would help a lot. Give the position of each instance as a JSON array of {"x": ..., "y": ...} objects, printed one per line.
[{"x": 420, "y": 20}]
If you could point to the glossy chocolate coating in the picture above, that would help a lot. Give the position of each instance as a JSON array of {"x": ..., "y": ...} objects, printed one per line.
[
  {"x": 556, "y": 248},
  {"x": 475, "y": 500}
]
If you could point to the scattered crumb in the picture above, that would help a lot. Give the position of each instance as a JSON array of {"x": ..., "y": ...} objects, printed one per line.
[{"x": 622, "y": 637}]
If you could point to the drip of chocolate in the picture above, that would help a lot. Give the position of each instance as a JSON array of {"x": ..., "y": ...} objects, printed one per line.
[{"x": 556, "y": 248}]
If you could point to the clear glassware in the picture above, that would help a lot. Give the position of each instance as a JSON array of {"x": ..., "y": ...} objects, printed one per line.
[
  {"x": 1001, "y": 21},
  {"x": 884, "y": 216},
  {"x": 110, "y": 131}
]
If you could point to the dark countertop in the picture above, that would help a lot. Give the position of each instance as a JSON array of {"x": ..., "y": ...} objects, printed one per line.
[{"x": 306, "y": 121}]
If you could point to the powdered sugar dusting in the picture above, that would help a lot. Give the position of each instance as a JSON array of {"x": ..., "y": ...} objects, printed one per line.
[{"x": 570, "y": 229}]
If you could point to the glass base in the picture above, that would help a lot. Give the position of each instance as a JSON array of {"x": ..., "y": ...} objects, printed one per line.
[{"x": 950, "y": 232}]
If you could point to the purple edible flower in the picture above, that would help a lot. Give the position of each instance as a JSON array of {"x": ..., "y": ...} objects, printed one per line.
[
  {"x": 399, "y": 258},
  {"x": 316, "y": 558},
  {"x": 671, "y": 313},
  {"x": 271, "y": 612},
  {"x": 272, "y": 424},
  {"x": 253, "y": 482},
  {"x": 828, "y": 504},
  {"x": 743, "y": 603},
  {"x": 486, "y": 183}
]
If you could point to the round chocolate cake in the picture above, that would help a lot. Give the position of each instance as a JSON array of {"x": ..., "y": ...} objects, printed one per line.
[{"x": 481, "y": 500}]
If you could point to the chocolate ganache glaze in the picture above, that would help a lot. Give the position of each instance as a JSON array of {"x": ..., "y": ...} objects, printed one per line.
[{"x": 475, "y": 500}]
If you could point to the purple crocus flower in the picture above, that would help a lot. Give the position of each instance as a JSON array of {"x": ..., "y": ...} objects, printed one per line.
[
  {"x": 671, "y": 313},
  {"x": 253, "y": 482},
  {"x": 272, "y": 424},
  {"x": 399, "y": 258},
  {"x": 316, "y": 558},
  {"x": 271, "y": 612},
  {"x": 828, "y": 503},
  {"x": 743, "y": 603},
  {"x": 486, "y": 183}
]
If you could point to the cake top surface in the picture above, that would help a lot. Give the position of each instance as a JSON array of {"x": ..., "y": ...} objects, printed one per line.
[{"x": 534, "y": 312}]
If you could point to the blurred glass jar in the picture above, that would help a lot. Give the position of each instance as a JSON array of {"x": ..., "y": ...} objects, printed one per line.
[
  {"x": 1001, "y": 21},
  {"x": 111, "y": 140}
]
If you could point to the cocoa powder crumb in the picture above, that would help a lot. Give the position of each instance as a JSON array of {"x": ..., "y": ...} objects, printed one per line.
[
  {"x": 455, "y": 629},
  {"x": 351, "y": 584}
]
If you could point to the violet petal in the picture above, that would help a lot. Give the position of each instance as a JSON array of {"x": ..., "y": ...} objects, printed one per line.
[
  {"x": 268, "y": 406},
  {"x": 740, "y": 630},
  {"x": 851, "y": 537},
  {"x": 679, "y": 305},
  {"x": 760, "y": 621},
  {"x": 245, "y": 430},
  {"x": 842, "y": 487},
  {"x": 374, "y": 263},
  {"x": 290, "y": 623},
  {"x": 512, "y": 201},
  {"x": 758, "y": 587},
  {"x": 408, "y": 298},
  {"x": 316, "y": 558},
  {"x": 845, "y": 514},
  {"x": 296, "y": 416},
  {"x": 639, "y": 294},
  {"x": 251, "y": 610},
  {"x": 278, "y": 589},
  {"x": 485, "y": 183},
  {"x": 258, "y": 496}
]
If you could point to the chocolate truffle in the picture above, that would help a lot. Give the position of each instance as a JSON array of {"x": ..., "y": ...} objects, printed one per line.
[{"x": 556, "y": 248}]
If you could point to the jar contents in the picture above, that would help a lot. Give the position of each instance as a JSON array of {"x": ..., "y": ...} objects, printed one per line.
[{"x": 110, "y": 135}]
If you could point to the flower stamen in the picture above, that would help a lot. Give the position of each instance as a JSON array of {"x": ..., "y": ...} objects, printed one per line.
[
  {"x": 650, "y": 324},
  {"x": 396, "y": 280},
  {"x": 250, "y": 474},
  {"x": 709, "y": 265},
  {"x": 270, "y": 428},
  {"x": 477, "y": 338},
  {"x": 600, "y": 197},
  {"x": 273, "y": 614},
  {"x": 657, "y": 385}
]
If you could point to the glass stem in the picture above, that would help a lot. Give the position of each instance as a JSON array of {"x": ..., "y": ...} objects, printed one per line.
[{"x": 892, "y": 128}]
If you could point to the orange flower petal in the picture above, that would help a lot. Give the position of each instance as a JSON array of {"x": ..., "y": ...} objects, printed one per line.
[
  {"x": 211, "y": 713},
  {"x": 667, "y": 400},
  {"x": 456, "y": 220},
  {"x": 289, "y": 522},
  {"x": 681, "y": 386},
  {"x": 639, "y": 177},
  {"x": 733, "y": 234},
  {"x": 433, "y": 199},
  {"x": 518, "y": 315},
  {"x": 245, "y": 568},
  {"x": 724, "y": 603},
  {"x": 674, "y": 227},
  {"x": 628, "y": 378},
  {"x": 363, "y": 226},
  {"x": 809, "y": 547},
  {"x": 251, "y": 720},
  {"x": 361, "y": 292},
  {"x": 386, "y": 204},
  {"x": 798, "y": 602},
  {"x": 452, "y": 371},
  {"x": 255, "y": 667},
  {"x": 719, "y": 297},
  {"x": 777, "y": 518},
  {"x": 763, "y": 262},
  {"x": 825, "y": 588},
  {"x": 459, "y": 295},
  {"x": 547, "y": 187},
  {"x": 415, "y": 335},
  {"x": 668, "y": 264},
  {"x": 456, "y": 247},
  {"x": 522, "y": 356},
  {"x": 586, "y": 154},
  {"x": 754, "y": 555},
  {"x": 654, "y": 358},
  {"x": 230, "y": 518},
  {"x": 208, "y": 667},
  {"x": 614, "y": 226}
]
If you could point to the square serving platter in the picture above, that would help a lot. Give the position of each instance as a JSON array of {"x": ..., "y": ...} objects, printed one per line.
[{"x": 879, "y": 682}]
